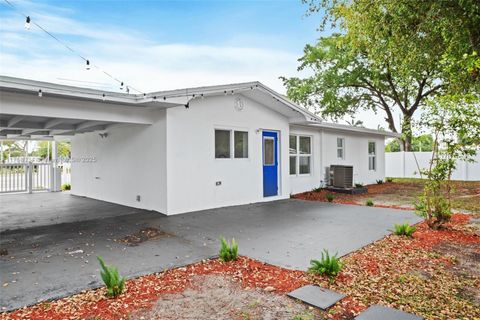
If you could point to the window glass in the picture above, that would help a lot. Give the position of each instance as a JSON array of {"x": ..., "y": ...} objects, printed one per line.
[
  {"x": 293, "y": 165},
  {"x": 241, "y": 144},
  {"x": 293, "y": 144},
  {"x": 304, "y": 166},
  {"x": 268, "y": 152},
  {"x": 372, "y": 156},
  {"x": 341, "y": 148},
  {"x": 372, "y": 163},
  {"x": 305, "y": 145},
  {"x": 340, "y": 142},
  {"x": 222, "y": 144},
  {"x": 371, "y": 148},
  {"x": 340, "y": 153}
]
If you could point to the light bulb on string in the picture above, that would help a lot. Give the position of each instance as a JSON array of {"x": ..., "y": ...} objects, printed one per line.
[
  {"x": 103, "y": 97},
  {"x": 40, "y": 94},
  {"x": 27, "y": 23},
  {"x": 87, "y": 65},
  {"x": 121, "y": 86}
]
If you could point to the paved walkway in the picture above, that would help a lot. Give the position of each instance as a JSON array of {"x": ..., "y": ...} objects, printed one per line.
[{"x": 45, "y": 262}]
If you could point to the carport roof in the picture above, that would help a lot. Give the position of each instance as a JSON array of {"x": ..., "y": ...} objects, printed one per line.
[{"x": 171, "y": 98}]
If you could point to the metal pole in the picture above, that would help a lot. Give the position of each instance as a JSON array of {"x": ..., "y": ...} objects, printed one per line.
[{"x": 30, "y": 176}]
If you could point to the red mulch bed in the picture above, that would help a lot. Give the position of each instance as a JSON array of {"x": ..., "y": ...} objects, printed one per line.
[
  {"x": 141, "y": 293},
  {"x": 341, "y": 198}
]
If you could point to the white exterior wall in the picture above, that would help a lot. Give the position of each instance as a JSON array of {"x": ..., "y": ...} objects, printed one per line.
[
  {"x": 171, "y": 164},
  {"x": 306, "y": 182},
  {"x": 356, "y": 155},
  {"x": 324, "y": 151},
  {"x": 130, "y": 161},
  {"x": 192, "y": 168}
]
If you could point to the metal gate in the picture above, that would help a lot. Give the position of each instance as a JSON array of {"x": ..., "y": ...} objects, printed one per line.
[{"x": 26, "y": 177}]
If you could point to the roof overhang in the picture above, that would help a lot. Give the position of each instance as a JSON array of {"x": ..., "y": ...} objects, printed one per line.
[{"x": 110, "y": 108}]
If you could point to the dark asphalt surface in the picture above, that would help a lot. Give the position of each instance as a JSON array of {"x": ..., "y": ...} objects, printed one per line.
[{"x": 51, "y": 261}]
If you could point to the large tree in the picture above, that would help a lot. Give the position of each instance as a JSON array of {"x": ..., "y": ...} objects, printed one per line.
[{"x": 388, "y": 56}]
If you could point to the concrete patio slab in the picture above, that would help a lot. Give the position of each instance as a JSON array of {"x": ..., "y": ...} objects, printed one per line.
[
  {"x": 42, "y": 262},
  {"x": 316, "y": 296},
  {"x": 23, "y": 210},
  {"x": 378, "y": 312}
]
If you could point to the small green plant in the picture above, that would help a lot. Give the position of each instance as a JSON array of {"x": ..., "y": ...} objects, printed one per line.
[
  {"x": 389, "y": 179},
  {"x": 404, "y": 230},
  {"x": 327, "y": 265},
  {"x": 358, "y": 185},
  {"x": 379, "y": 181},
  {"x": 111, "y": 278},
  {"x": 317, "y": 189},
  {"x": 369, "y": 203},
  {"x": 66, "y": 186},
  {"x": 305, "y": 316},
  {"x": 329, "y": 197},
  {"x": 228, "y": 252}
]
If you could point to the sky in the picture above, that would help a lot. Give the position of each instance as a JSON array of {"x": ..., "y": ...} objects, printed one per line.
[{"x": 159, "y": 45}]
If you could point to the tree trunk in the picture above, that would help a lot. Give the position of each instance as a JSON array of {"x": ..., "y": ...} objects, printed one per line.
[{"x": 407, "y": 132}]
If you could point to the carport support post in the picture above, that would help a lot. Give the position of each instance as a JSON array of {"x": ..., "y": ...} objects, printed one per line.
[
  {"x": 30, "y": 176},
  {"x": 53, "y": 176}
]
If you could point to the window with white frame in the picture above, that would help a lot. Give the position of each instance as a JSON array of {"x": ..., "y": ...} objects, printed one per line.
[
  {"x": 231, "y": 142},
  {"x": 372, "y": 155},
  {"x": 341, "y": 148},
  {"x": 300, "y": 150}
]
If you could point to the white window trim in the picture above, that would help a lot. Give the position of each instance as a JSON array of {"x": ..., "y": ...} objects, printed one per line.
[
  {"x": 297, "y": 155},
  {"x": 343, "y": 147},
  {"x": 372, "y": 155},
  {"x": 232, "y": 143}
]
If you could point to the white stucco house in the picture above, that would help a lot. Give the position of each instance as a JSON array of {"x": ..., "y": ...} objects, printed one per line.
[{"x": 191, "y": 149}]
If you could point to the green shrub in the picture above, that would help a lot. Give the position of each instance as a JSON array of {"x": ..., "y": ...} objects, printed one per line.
[
  {"x": 329, "y": 197},
  {"x": 435, "y": 208},
  {"x": 228, "y": 252},
  {"x": 327, "y": 265},
  {"x": 358, "y": 185},
  {"x": 66, "y": 186},
  {"x": 404, "y": 230},
  {"x": 111, "y": 278},
  {"x": 389, "y": 179},
  {"x": 379, "y": 181},
  {"x": 369, "y": 203}
]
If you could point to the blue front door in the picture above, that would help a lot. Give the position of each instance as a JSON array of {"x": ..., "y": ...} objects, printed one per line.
[{"x": 270, "y": 163}]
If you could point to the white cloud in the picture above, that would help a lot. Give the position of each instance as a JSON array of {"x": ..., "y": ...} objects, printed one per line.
[{"x": 128, "y": 55}]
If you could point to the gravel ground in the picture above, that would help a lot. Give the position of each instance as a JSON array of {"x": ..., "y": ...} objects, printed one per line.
[{"x": 217, "y": 297}]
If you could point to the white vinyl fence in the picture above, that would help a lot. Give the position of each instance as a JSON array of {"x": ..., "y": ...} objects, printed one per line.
[
  {"x": 406, "y": 164},
  {"x": 31, "y": 177}
]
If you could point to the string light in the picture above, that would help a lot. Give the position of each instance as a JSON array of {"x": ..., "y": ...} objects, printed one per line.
[
  {"x": 27, "y": 23},
  {"x": 121, "y": 86},
  {"x": 40, "y": 94},
  {"x": 103, "y": 97}
]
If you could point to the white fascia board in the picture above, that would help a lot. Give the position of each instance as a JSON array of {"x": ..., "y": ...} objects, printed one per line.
[
  {"x": 334, "y": 127},
  {"x": 67, "y": 108}
]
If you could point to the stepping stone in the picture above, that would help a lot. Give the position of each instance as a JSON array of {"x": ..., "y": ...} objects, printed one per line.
[
  {"x": 378, "y": 312},
  {"x": 316, "y": 296}
]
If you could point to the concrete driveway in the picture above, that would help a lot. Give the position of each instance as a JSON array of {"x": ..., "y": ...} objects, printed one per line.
[{"x": 52, "y": 261}]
